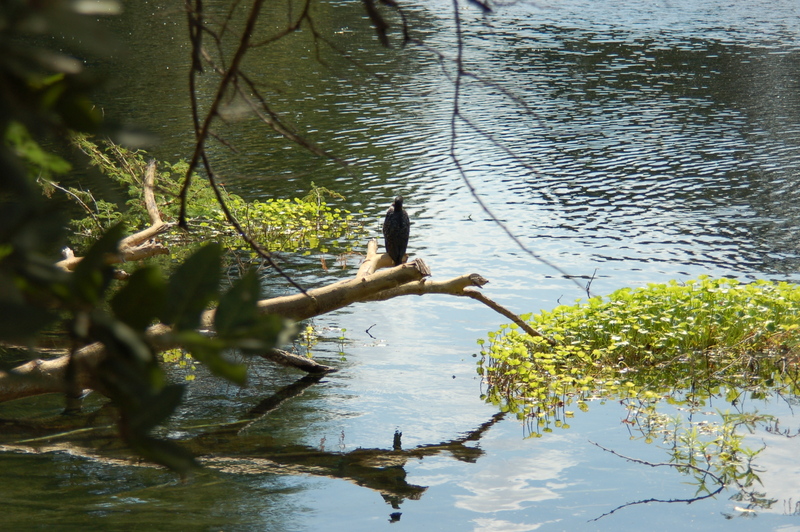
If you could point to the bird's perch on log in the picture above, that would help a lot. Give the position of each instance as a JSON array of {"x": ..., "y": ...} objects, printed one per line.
[{"x": 377, "y": 279}]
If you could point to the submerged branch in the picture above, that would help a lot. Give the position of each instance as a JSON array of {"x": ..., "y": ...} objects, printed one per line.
[
  {"x": 290, "y": 360},
  {"x": 704, "y": 472}
]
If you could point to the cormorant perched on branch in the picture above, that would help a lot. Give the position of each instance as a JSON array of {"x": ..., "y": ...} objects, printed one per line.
[{"x": 395, "y": 230}]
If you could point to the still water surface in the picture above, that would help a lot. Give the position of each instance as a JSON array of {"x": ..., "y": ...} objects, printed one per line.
[{"x": 646, "y": 141}]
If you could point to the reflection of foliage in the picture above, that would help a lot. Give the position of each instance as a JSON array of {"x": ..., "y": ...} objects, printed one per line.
[
  {"x": 679, "y": 344},
  {"x": 711, "y": 452},
  {"x": 279, "y": 224},
  {"x": 702, "y": 445}
]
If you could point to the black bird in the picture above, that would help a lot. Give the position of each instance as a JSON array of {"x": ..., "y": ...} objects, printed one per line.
[{"x": 395, "y": 230}]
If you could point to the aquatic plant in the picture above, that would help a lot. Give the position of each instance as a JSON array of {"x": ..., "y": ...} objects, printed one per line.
[
  {"x": 181, "y": 359},
  {"x": 306, "y": 224},
  {"x": 279, "y": 224},
  {"x": 705, "y": 335},
  {"x": 675, "y": 345}
]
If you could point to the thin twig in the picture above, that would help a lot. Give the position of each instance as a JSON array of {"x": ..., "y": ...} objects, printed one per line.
[
  {"x": 454, "y": 117},
  {"x": 78, "y": 199},
  {"x": 718, "y": 480},
  {"x": 661, "y": 464},
  {"x": 202, "y": 131},
  {"x": 589, "y": 284}
]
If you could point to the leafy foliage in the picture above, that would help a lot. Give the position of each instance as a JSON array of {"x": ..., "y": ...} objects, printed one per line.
[
  {"x": 44, "y": 93},
  {"x": 678, "y": 344},
  {"x": 714, "y": 332},
  {"x": 40, "y": 163},
  {"x": 44, "y": 88},
  {"x": 294, "y": 224},
  {"x": 307, "y": 223}
]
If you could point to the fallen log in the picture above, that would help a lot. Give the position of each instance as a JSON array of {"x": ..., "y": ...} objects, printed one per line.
[{"x": 371, "y": 283}]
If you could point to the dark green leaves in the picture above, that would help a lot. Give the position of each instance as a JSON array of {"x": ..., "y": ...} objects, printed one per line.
[
  {"x": 237, "y": 311},
  {"x": 26, "y": 148},
  {"x": 164, "y": 452},
  {"x": 154, "y": 409},
  {"x": 210, "y": 351},
  {"x": 192, "y": 287},
  {"x": 20, "y": 321},
  {"x": 142, "y": 299},
  {"x": 238, "y": 320},
  {"x": 92, "y": 274}
]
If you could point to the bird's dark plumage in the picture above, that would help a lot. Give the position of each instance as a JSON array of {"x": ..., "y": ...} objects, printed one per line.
[{"x": 396, "y": 228}]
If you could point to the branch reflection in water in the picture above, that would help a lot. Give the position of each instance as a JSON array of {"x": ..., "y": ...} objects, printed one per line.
[{"x": 239, "y": 448}]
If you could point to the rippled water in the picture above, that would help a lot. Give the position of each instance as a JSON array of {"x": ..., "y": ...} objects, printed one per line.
[
  {"x": 643, "y": 142},
  {"x": 660, "y": 139},
  {"x": 646, "y": 144}
]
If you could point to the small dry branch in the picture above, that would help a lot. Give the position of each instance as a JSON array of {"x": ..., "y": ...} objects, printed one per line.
[{"x": 137, "y": 246}]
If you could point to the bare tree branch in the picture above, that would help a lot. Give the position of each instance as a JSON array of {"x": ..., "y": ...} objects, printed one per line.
[
  {"x": 369, "y": 284},
  {"x": 455, "y": 116}
]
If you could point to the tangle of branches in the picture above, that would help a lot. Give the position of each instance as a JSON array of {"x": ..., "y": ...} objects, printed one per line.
[{"x": 234, "y": 81}]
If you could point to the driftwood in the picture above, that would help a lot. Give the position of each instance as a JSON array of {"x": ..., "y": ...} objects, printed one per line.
[
  {"x": 139, "y": 245},
  {"x": 370, "y": 284},
  {"x": 377, "y": 279}
]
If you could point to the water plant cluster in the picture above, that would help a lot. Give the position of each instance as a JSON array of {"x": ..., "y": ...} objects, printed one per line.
[
  {"x": 298, "y": 224},
  {"x": 304, "y": 224},
  {"x": 674, "y": 345},
  {"x": 706, "y": 335}
]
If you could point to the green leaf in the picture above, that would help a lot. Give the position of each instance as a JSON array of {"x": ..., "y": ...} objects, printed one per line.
[
  {"x": 164, "y": 452},
  {"x": 19, "y": 138},
  {"x": 92, "y": 275},
  {"x": 238, "y": 311},
  {"x": 142, "y": 299},
  {"x": 269, "y": 330},
  {"x": 123, "y": 341},
  {"x": 193, "y": 285},
  {"x": 156, "y": 408},
  {"x": 21, "y": 320},
  {"x": 209, "y": 352}
]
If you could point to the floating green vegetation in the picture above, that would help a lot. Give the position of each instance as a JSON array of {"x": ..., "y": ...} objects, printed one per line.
[
  {"x": 674, "y": 345},
  {"x": 706, "y": 335},
  {"x": 182, "y": 359},
  {"x": 300, "y": 224},
  {"x": 311, "y": 336},
  {"x": 307, "y": 223}
]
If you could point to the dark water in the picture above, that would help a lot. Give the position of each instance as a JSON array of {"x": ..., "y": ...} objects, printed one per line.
[{"x": 644, "y": 142}]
